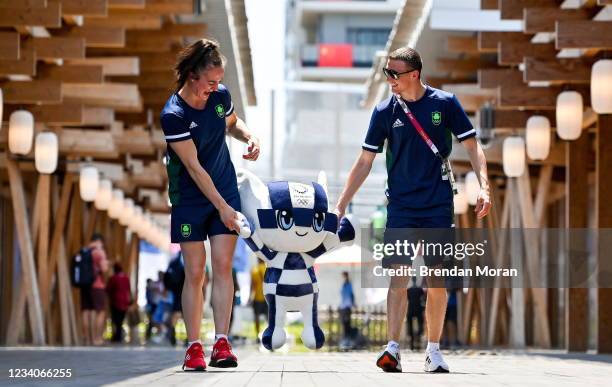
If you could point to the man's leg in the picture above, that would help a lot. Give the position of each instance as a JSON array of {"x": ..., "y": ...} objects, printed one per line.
[
  {"x": 99, "y": 325},
  {"x": 397, "y": 306},
  {"x": 435, "y": 310},
  {"x": 86, "y": 320}
]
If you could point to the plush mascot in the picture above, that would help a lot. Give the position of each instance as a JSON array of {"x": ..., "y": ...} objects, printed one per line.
[{"x": 288, "y": 226}]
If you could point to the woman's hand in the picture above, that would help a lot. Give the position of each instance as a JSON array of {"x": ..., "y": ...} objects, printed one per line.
[
  {"x": 229, "y": 217},
  {"x": 253, "y": 149}
]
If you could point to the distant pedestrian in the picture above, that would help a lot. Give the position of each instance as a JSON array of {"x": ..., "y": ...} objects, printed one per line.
[{"x": 120, "y": 296}]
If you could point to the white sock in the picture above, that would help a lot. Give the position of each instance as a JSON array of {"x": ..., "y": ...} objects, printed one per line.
[
  {"x": 393, "y": 345},
  {"x": 432, "y": 346},
  {"x": 193, "y": 342},
  {"x": 220, "y": 336}
]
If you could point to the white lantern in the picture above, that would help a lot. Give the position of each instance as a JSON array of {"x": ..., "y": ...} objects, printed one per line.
[
  {"x": 460, "y": 200},
  {"x": 88, "y": 183},
  {"x": 45, "y": 152},
  {"x": 136, "y": 219},
  {"x": 513, "y": 156},
  {"x": 569, "y": 115},
  {"x": 21, "y": 132},
  {"x": 472, "y": 187},
  {"x": 127, "y": 212},
  {"x": 104, "y": 195},
  {"x": 116, "y": 204},
  {"x": 601, "y": 86},
  {"x": 537, "y": 136}
]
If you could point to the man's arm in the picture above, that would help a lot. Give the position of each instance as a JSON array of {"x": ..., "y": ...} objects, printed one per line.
[
  {"x": 479, "y": 164},
  {"x": 357, "y": 175}
]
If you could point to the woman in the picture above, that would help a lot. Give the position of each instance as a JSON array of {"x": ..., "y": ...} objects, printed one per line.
[{"x": 203, "y": 190}]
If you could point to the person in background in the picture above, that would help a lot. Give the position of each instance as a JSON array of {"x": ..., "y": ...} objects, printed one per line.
[
  {"x": 347, "y": 302},
  {"x": 150, "y": 308},
  {"x": 416, "y": 308},
  {"x": 450, "y": 319},
  {"x": 174, "y": 279},
  {"x": 120, "y": 296},
  {"x": 93, "y": 299},
  {"x": 257, "y": 298}
]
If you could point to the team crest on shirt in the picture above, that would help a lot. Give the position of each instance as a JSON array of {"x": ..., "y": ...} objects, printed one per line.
[
  {"x": 220, "y": 110},
  {"x": 185, "y": 230},
  {"x": 436, "y": 118}
]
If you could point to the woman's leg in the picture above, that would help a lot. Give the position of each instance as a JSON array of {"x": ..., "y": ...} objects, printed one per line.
[
  {"x": 222, "y": 251},
  {"x": 192, "y": 299}
]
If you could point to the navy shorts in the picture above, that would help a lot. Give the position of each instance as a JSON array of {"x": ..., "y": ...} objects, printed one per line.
[
  {"x": 412, "y": 228},
  {"x": 196, "y": 223}
]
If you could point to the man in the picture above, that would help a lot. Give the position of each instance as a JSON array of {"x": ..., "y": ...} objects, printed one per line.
[
  {"x": 419, "y": 193},
  {"x": 93, "y": 299},
  {"x": 347, "y": 302},
  {"x": 120, "y": 296}
]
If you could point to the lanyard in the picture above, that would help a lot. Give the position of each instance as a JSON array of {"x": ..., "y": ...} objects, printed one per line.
[
  {"x": 446, "y": 166},
  {"x": 419, "y": 128}
]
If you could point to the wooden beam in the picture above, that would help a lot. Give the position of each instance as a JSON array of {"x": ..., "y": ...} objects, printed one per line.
[
  {"x": 488, "y": 4},
  {"x": 28, "y": 276},
  {"x": 603, "y": 213},
  {"x": 158, "y": 62},
  {"x": 514, "y": 119},
  {"x": 198, "y": 30},
  {"x": 44, "y": 196},
  {"x": 73, "y": 73},
  {"x": 488, "y": 41},
  {"x": 535, "y": 97},
  {"x": 493, "y": 78},
  {"x": 99, "y": 35},
  {"x": 126, "y": 4},
  {"x": 121, "y": 19},
  {"x": 463, "y": 65},
  {"x": 96, "y": 116},
  {"x": 159, "y": 7},
  {"x": 87, "y": 143},
  {"x": 120, "y": 65},
  {"x": 23, "y": 4},
  {"x": 49, "y": 16},
  {"x": 604, "y": 2},
  {"x": 152, "y": 80},
  {"x": 25, "y": 65},
  {"x": 9, "y": 45},
  {"x": 462, "y": 44},
  {"x": 542, "y": 19},
  {"x": 59, "y": 48},
  {"x": 85, "y": 7},
  {"x": 513, "y": 9},
  {"x": 586, "y": 34},
  {"x": 62, "y": 114},
  {"x": 115, "y": 95},
  {"x": 557, "y": 71},
  {"x": 136, "y": 142},
  {"x": 44, "y": 92},
  {"x": 513, "y": 53}
]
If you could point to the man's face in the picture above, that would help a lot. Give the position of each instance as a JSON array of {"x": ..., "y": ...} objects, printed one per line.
[
  {"x": 207, "y": 81},
  {"x": 405, "y": 81}
]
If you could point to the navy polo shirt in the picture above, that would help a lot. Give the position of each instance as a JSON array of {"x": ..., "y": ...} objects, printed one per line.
[
  {"x": 415, "y": 185},
  {"x": 206, "y": 128}
]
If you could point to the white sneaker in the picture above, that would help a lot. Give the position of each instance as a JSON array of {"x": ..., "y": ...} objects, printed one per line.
[
  {"x": 389, "y": 359},
  {"x": 435, "y": 363}
]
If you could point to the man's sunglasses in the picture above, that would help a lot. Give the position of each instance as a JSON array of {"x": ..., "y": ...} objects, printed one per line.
[{"x": 389, "y": 73}]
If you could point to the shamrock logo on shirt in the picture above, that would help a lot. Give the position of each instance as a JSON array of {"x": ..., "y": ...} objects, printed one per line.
[
  {"x": 185, "y": 230},
  {"x": 436, "y": 118},
  {"x": 220, "y": 110}
]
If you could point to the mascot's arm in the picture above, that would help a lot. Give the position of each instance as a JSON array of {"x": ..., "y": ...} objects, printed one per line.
[
  {"x": 343, "y": 237},
  {"x": 252, "y": 239}
]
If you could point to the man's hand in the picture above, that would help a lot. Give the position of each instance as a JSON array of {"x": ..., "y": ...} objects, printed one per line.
[
  {"x": 253, "y": 149},
  {"x": 483, "y": 205}
]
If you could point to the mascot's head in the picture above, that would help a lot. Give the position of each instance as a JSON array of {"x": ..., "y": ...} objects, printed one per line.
[{"x": 289, "y": 217}]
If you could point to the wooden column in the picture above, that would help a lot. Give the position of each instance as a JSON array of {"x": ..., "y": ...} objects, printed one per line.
[
  {"x": 603, "y": 187},
  {"x": 576, "y": 215},
  {"x": 517, "y": 323}
]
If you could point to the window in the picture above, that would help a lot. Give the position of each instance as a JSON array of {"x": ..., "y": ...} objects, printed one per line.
[{"x": 368, "y": 36}]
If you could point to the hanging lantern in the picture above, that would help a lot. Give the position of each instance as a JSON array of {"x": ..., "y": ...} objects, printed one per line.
[
  {"x": 537, "y": 136},
  {"x": 116, "y": 204},
  {"x": 569, "y": 115},
  {"x": 136, "y": 219},
  {"x": 104, "y": 195},
  {"x": 513, "y": 156},
  {"x": 88, "y": 183},
  {"x": 21, "y": 132},
  {"x": 601, "y": 86},
  {"x": 472, "y": 188},
  {"x": 127, "y": 212},
  {"x": 46, "y": 152},
  {"x": 460, "y": 200}
]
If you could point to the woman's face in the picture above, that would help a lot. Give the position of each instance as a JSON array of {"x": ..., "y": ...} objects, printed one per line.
[{"x": 206, "y": 82}]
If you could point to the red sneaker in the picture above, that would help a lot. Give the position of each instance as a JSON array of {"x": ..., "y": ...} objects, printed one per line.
[
  {"x": 194, "y": 358},
  {"x": 222, "y": 355}
]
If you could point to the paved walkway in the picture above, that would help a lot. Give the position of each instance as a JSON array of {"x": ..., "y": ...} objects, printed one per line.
[{"x": 160, "y": 367}]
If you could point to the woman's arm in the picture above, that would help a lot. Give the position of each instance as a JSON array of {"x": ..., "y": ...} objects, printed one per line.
[
  {"x": 188, "y": 155},
  {"x": 238, "y": 129}
]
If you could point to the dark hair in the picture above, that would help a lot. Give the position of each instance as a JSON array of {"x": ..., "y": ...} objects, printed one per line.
[
  {"x": 345, "y": 273},
  {"x": 97, "y": 237},
  {"x": 409, "y": 56},
  {"x": 199, "y": 55},
  {"x": 117, "y": 267}
]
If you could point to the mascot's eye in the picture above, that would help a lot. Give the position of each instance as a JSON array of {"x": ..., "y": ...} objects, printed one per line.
[
  {"x": 318, "y": 221},
  {"x": 284, "y": 219}
]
